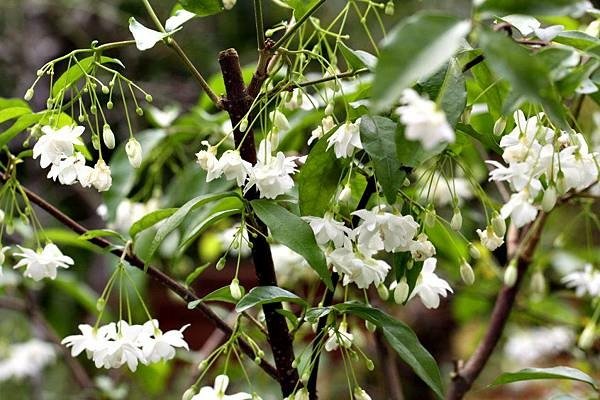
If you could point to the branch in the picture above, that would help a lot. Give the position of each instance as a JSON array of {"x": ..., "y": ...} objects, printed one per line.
[
  {"x": 465, "y": 376},
  {"x": 328, "y": 300},
  {"x": 238, "y": 104},
  {"x": 165, "y": 280}
]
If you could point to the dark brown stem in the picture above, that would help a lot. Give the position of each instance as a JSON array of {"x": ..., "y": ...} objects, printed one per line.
[
  {"x": 165, "y": 280},
  {"x": 464, "y": 376},
  {"x": 238, "y": 104},
  {"x": 328, "y": 300}
]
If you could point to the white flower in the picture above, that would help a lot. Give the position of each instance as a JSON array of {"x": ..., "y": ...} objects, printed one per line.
[
  {"x": 176, "y": 20},
  {"x": 66, "y": 170},
  {"x": 279, "y": 120},
  {"x": 527, "y": 25},
  {"x": 327, "y": 229},
  {"x": 128, "y": 212},
  {"x": 55, "y": 144},
  {"x": 381, "y": 230},
  {"x": 584, "y": 282},
  {"x": 124, "y": 349},
  {"x": 145, "y": 38},
  {"x": 358, "y": 268},
  {"x": 578, "y": 165},
  {"x": 345, "y": 139},
  {"x": 429, "y": 286},
  {"x": 520, "y": 209},
  {"x": 26, "y": 359},
  {"x": 91, "y": 339},
  {"x": 327, "y": 124},
  {"x": 165, "y": 117},
  {"x": 133, "y": 148},
  {"x": 234, "y": 167},
  {"x": 526, "y": 347},
  {"x": 40, "y": 265},
  {"x": 217, "y": 392},
  {"x": 339, "y": 337},
  {"x": 157, "y": 345},
  {"x": 421, "y": 249},
  {"x": 424, "y": 121},
  {"x": 271, "y": 174},
  {"x": 99, "y": 177},
  {"x": 207, "y": 159},
  {"x": 489, "y": 238},
  {"x": 361, "y": 394}
]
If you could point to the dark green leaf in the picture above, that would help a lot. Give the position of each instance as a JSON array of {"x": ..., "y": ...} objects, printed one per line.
[
  {"x": 293, "y": 232},
  {"x": 452, "y": 97},
  {"x": 417, "y": 48},
  {"x": 546, "y": 7},
  {"x": 149, "y": 220},
  {"x": 526, "y": 74},
  {"x": 95, "y": 233},
  {"x": 265, "y": 295},
  {"x": 22, "y": 123},
  {"x": 223, "y": 295},
  {"x": 195, "y": 274},
  {"x": 358, "y": 59},
  {"x": 78, "y": 70},
  {"x": 313, "y": 315},
  {"x": 378, "y": 136},
  {"x": 202, "y": 8},
  {"x": 318, "y": 179},
  {"x": 403, "y": 340},
  {"x": 528, "y": 374},
  {"x": 197, "y": 229}
]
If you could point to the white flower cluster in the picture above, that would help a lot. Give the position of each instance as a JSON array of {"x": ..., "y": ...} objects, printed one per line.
[
  {"x": 586, "y": 282},
  {"x": 217, "y": 392},
  {"x": 424, "y": 121},
  {"x": 42, "y": 263},
  {"x": 56, "y": 148},
  {"x": 339, "y": 337},
  {"x": 113, "y": 345},
  {"x": 271, "y": 175},
  {"x": 529, "y": 346},
  {"x": 26, "y": 359},
  {"x": 351, "y": 251},
  {"x": 533, "y": 155}
]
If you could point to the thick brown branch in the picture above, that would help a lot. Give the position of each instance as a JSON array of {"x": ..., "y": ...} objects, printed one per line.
[
  {"x": 237, "y": 104},
  {"x": 465, "y": 376},
  {"x": 165, "y": 280}
]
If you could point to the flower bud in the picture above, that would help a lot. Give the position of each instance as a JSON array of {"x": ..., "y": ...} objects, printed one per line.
[
  {"x": 93, "y": 109},
  {"x": 586, "y": 340},
  {"x": 510, "y": 275},
  {"x": 270, "y": 32},
  {"x": 110, "y": 105},
  {"x": 401, "y": 291},
  {"x": 329, "y": 109},
  {"x": 561, "y": 183},
  {"x": 100, "y": 304},
  {"x": 243, "y": 125},
  {"x": 28, "y": 94},
  {"x": 280, "y": 121},
  {"x": 49, "y": 103},
  {"x": 235, "y": 289},
  {"x": 1, "y": 216},
  {"x": 81, "y": 119},
  {"x": 359, "y": 393},
  {"x": 202, "y": 366},
  {"x": 133, "y": 148},
  {"x": 549, "y": 199},
  {"x": 466, "y": 272},
  {"x": 108, "y": 136},
  {"x": 370, "y": 365},
  {"x": 456, "y": 222},
  {"x": 499, "y": 126},
  {"x": 228, "y": 4},
  {"x": 383, "y": 291},
  {"x": 474, "y": 251},
  {"x": 389, "y": 8},
  {"x": 538, "y": 282},
  {"x": 139, "y": 111},
  {"x": 188, "y": 394},
  {"x": 430, "y": 218},
  {"x": 149, "y": 98},
  {"x": 345, "y": 195},
  {"x": 499, "y": 225},
  {"x": 105, "y": 89},
  {"x": 220, "y": 264},
  {"x": 2, "y": 257},
  {"x": 371, "y": 327}
]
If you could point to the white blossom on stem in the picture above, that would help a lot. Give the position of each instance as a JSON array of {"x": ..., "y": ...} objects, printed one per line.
[
  {"x": 429, "y": 286},
  {"x": 44, "y": 263},
  {"x": 217, "y": 392},
  {"x": 345, "y": 139},
  {"x": 55, "y": 144}
]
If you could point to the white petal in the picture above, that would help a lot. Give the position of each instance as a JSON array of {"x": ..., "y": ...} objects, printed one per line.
[
  {"x": 179, "y": 18},
  {"x": 145, "y": 38}
]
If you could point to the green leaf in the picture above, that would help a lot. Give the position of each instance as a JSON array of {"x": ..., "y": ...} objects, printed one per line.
[
  {"x": 577, "y": 39},
  {"x": 313, "y": 315},
  {"x": 528, "y": 374},
  {"x": 202, "y": 8},
  {"x": 378, "y": 136},
  {"x": 291, "y": 231},
  {"x": 300, "y": 7},
  {"x": 77, "y": 70},
  {"x": 149, "y": 220},
  {"x": 196, "y": 273},
  {"x": 179, "y": 216},
  {"x": 9, "y": 113},
  {"x": 318, "y": 179},
  {"x": 358, "y": 59},
  {"x": 95, "y": 233},
  {"x": 260, "y": 295},
  {"x": 9, "y": 103},
  {"x": 546, "y": 7},
  {"x": 223, "y": 295},
  {"x": 417, "y": 48},
  {"x": 526, "y": 74},
  {"x": 197, "y": 229},
  {"x": 22, "y": 123},
  {"x": 452, "y": 97},
  {"x": 403, "y": 340}
]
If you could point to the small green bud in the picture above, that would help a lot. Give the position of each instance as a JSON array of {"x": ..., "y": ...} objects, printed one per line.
[
  {"x": 235, "y": 289},
  {"x": 466, "y": 272},
  {"x": 81, "y": 118},
  {"x": 430, "y": 216},
  {"x": 139, "y": 111},
  {"x": 257, "y": 360},
  {"x": 510, "y": 275},
  {"x": 39, "y": 72},
  {"x": 383, "y": 291},
  {"x": 189, "y": 394},
  {"x": 549, "y": 199},
  {"x": 499, "y": 126},
  {"x": 474, "y": 251},
  {"x": 243, "y": 125},
  {"x": 586, "y": 340},
  {"x": 401, "y": 291},
  {"x": 100, "y": 304},
  {"x": 220, "y": 264},
  {"x": 370, "y": 364},
  {"x": 305, "y": 377},
  {"x": 371, "y": 327},
  {"x": 110, "y": 105},
  {"x": 28, "y": 94},
  {"x": 202, "y": 366},
  {"x": 456, "y": 222},
  {"x": 49, "y": 103},
  {"x": 329, "y": 109},
  {"x": 499, "y": 225},
  {"x": 149, "y": 98},
  {"x": 93, "y": 109},
  {"x": 105, "y": 89},
  {"x": 269, "y": 32},
  {"x": 389, "y": 8}
]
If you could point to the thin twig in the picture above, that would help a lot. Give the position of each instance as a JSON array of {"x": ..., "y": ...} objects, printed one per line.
[{"x": 288, "y": 34}]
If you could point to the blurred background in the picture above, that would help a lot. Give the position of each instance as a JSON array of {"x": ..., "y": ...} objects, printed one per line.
[{"x": 33, "y": 32}]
